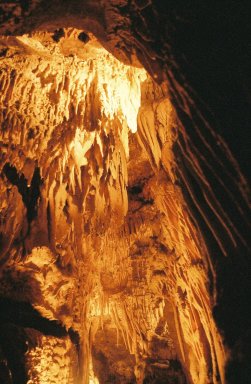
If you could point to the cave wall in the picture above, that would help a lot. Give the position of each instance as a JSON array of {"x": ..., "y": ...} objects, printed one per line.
[{"x": 195, "y": 193}]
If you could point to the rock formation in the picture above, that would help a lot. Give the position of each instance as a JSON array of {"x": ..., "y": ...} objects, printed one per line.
[{"x": 124, "y": 227}]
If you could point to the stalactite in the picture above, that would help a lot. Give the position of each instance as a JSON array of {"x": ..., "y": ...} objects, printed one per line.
[{"x": 107, "y": 193}]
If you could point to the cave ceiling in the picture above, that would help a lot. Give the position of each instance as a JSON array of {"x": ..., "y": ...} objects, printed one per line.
[{"x": 114, "y": 201}]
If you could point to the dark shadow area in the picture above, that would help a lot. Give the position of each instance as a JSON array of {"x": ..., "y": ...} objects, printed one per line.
[
  {"x": 24, "y": 315},
  {"x": 30, "y": 194},
  {"x": 14, "y": 345},
  {"x": 15, "y": 318},
  {"x": 112, "y": 362},
  {"x": 156, "y": 373}
]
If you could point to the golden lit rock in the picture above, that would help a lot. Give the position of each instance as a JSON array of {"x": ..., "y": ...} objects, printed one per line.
[
  {"x": 109, "y": 250},
  {"x": 106, "y": 275}
]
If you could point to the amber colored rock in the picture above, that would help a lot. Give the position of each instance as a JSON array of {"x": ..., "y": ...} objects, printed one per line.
[{"x": 113, "y": 226}]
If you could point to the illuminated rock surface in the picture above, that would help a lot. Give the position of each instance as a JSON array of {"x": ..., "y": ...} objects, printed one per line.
[{"x": 120, "y": 205}]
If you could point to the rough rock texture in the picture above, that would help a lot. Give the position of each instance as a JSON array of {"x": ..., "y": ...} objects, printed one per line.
[{"x": 132, "y": 249}]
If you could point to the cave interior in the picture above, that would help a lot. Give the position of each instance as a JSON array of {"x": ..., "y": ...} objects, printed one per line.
[{"x": 124, "y": 192}]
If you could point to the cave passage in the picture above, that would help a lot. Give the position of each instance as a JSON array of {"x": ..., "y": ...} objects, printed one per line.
[
  {"x": 111, "y": 263},
  {"x": 123, "y": 197}
]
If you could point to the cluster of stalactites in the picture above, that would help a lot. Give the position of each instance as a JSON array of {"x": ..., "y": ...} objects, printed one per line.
[{"x": 67, "y": 117}]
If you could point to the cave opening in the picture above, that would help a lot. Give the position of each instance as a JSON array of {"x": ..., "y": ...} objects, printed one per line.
[{"x": 116, "y": 215}]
